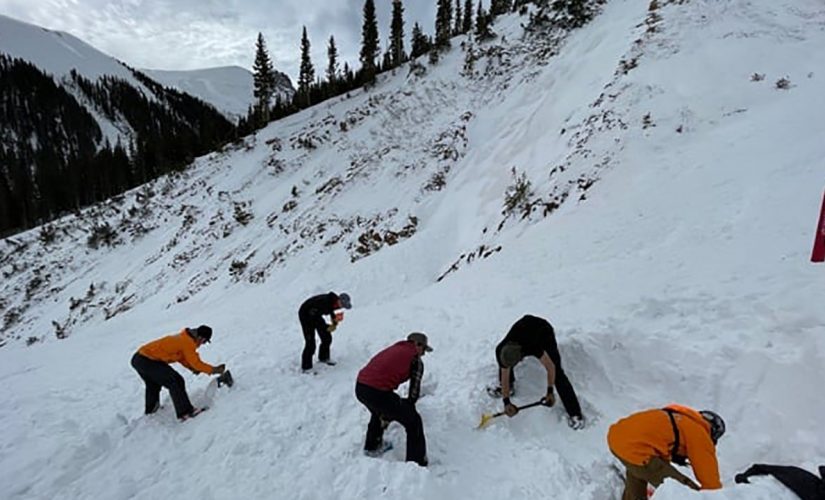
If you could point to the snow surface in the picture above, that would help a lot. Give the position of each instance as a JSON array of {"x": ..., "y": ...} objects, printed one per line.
[{"x": 675, "y": 270}]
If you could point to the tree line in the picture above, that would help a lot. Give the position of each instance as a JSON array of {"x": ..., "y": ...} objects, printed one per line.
[
  {"x": 453, "y": 17},
  {"x": 54, "y": 158}
]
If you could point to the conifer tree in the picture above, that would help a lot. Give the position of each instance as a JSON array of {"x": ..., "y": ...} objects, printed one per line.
[
  {"x": 332, "y": 63},
  {"x": 483, "y": 31},
  {"x": 398, "y": 56},
  {"x": 369, "y": 43},
  {"x": 459, "y": 19},
  {"x": 420, "y": 42},
  {"x": 263, "y": 78},
  {"x": 307, "y": 72},
  {"x": 468, "y": 17},
  {"x": 443, "y": 24},
  {"x": 498, "y": 7}
]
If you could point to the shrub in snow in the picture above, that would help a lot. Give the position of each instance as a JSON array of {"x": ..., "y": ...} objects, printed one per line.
[
  {"x": 47, "y": 234},
  {"x": 757, "y": 77},
  {"x": 242, "y": 214},
  {"x": 11, "y": 318},
  {"x": 437, "y": 182},
  {"x": 517, "y": 196},
  {"x": 102, "y": 234},
  {"x": 783, "y": 83},
  {"x": 59, "y": 330},
  {"x": 237, "y": 268},
  {"x": 417, "y": 69},
  {"x": 32, "y": 340}
]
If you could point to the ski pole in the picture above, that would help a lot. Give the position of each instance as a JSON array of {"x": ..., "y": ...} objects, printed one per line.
[{"x": 486, "y": 418}]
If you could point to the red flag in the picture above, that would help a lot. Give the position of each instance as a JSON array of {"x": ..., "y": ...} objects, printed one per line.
[{"x": 818, "y": 254}]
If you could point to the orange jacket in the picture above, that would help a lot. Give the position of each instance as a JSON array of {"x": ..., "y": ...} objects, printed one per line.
[
  {"x": 178, "y": 348},
  {"x": 641, "y": 436}
]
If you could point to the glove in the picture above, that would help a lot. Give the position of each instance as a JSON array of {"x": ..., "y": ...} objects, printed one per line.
[
  {"x": 218, "y": 370},
  {"x": 550, "y": 399},
  {"x": 331, "y": 328},
  {"x": 509, "y": 408}
]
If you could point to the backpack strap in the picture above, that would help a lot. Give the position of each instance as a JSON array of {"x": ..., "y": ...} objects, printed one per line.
[{"x": 674, "y": 450}]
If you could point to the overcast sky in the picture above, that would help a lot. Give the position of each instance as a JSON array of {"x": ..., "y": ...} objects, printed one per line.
[{"x": 191, "y": 34}]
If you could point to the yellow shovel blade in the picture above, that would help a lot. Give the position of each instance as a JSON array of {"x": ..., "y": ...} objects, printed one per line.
[{"x": 485, "y": 419}]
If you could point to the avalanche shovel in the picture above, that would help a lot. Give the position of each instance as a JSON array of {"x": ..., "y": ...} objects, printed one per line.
[{"x": 488, "y": 417}]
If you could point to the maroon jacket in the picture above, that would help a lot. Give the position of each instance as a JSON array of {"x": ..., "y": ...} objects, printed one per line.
[{"x": 392, "y": 367}]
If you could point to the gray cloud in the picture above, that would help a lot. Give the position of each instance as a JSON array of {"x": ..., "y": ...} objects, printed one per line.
[{"x": 190, "y": 34}]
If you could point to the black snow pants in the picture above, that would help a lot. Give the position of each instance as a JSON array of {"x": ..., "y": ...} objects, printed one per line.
[
  {"x": 563, "y": 386},
  {"x": 157, "y": 374},
  {"x": 311, "y": 324},
  {"x": 389, "y": 406}
]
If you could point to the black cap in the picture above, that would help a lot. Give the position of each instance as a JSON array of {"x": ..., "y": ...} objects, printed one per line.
[
  {"x": 204, "y": 333},
  {"x": 420, "y": 339},
  {"x": 346, "y": 303}
]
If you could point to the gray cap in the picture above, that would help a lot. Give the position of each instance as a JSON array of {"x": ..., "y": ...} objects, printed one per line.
[
  {"x": 511, "y": 354},
  {"x": 421, "y": 339}
]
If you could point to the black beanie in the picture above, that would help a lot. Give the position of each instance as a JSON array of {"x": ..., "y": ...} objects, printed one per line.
[{"x": 204, "y": 332}]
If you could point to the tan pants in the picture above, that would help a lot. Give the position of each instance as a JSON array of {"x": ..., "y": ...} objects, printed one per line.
[{"x": 653, "y": 472}]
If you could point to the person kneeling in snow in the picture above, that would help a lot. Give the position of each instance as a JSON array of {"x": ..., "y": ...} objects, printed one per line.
[
  {"x": 374, "y": 389},
  {"x": 152, "y": 360},
  {"x": 534, "y": 336},
  {"x": 647, "y": 442}
]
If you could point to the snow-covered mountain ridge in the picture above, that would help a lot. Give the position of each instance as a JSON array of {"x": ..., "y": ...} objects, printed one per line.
[
  {"x": 672, "y": 196},
  {"x": 227, "y": 88}
]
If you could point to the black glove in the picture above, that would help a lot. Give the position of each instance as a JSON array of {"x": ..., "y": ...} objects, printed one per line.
[{"x": 225, "y": 378}]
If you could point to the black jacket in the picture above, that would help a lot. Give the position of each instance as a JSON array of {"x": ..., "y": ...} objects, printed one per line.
[
  {"x": 319, "y": 305},
  {"x": 535, "y": 336},
  {"x": 806, "y": 485}
]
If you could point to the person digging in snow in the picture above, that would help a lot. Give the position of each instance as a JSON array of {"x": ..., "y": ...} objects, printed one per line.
[
  {"x": 375, "y": 387},
  {"x": 152, "y": 361},
  {"x": 534, "y": 336},
  {"x": 311, "y": 315},
  {"x": 647, "y": 442}
]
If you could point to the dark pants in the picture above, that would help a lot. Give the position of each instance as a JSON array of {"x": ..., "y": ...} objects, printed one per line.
[
  {"x": 157, "y": 374},
  {"x": 310, "y": 325},
  {"x": 389, "y": 406},
  {"x": 653, "y": 472},
  {"x": 563, "y": 386}
]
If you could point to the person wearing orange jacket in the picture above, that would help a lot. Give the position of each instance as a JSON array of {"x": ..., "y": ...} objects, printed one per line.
[
  {"x": 648, "y": 441},
  {"x": 152, "y": 361}
]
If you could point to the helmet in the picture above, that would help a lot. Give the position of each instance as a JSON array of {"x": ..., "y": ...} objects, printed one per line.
[
  {"x": 717, "y": 425},
  {"x": 346, "y": 303},
  {"x": 510, "y": 354},
  {"x": 204, "y": 333}
]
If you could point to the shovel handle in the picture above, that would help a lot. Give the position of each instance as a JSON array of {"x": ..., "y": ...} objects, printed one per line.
[{"x": 485, "y": 419}]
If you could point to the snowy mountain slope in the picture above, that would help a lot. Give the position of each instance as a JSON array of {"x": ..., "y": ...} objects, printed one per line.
[
  {"x": 674, "y": 268},
  {"x": 58, "y": 53},
  {"x": 228, "y": 88}
]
